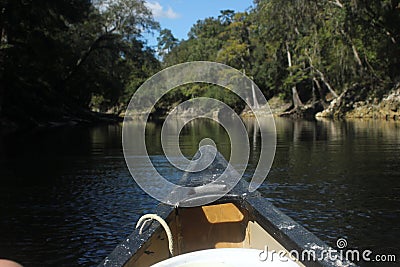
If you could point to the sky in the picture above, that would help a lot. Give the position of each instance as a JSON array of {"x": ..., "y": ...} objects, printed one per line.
[{"x": 180, "y": 15}]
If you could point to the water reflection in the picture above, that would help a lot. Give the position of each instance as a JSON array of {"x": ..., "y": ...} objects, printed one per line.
[
  {"x": 342, "y": 175},
  {"x": 67, "y": 198}
]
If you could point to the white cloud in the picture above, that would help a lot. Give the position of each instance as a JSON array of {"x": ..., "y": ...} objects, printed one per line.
[{"x": 160, "y": 12}]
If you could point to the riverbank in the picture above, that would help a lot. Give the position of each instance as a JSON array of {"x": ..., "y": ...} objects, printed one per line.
[
  {"x": 25, "y": 122},
  {"x": 357, "y": 102},
  {"x": 353, "y": 103}
]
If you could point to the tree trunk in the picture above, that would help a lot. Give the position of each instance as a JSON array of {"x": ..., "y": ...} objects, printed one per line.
[
  {"x": 354, "y": 49},
  {"x": 86, "y": 54},
  {"x": 255, "y": 101},
  {"x": 296, "y": 99},
  {"x": 322, "y": 77},
  {"x": 327, "y": 84},
  {"x": 321, "y": 93},
  {"x": 347, "y": 37},
  {"x": 295, "y": 94},
  {"x": 337, "y": 3},
  {"x": 356, "y": 55}
]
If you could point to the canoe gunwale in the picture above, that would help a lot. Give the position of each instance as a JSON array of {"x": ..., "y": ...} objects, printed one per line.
[
  {"x": 285, "y": 230},
  {"x": 291, "y": 234},
  {"x": 135, "y": 241}
]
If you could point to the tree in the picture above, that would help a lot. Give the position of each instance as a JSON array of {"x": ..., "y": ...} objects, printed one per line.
[
  {"x": 57, "y": 55},
  {"x": 119, "y": 20},
  {"x": 226, "y": 16},
  {"x": 166, "y": 42},
  {"x": 304, "y": 51},
  {"x": 235, "y": 51}
]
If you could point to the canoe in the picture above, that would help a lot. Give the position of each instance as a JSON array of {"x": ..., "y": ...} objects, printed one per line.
[{"x": 239, "y": 229}]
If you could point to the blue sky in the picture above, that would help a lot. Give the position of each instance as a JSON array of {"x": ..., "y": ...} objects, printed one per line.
[{"x": 180, "y": 15}]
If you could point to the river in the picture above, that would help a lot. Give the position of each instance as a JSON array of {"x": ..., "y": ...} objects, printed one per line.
[{"x": 67, "y": 198}]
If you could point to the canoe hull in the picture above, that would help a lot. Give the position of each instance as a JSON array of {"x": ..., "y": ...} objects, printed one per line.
[{"x": 236, "y": 220}]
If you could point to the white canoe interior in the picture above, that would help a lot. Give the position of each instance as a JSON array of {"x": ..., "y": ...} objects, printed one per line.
[
  {"x": 214, "y": 226},
  {"x": 226, "y": 257}
]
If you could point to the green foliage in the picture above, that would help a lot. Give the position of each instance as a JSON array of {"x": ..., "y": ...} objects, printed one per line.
[
  {"x": 166, "y": 41},
  {"x": 60, "y": 56},
  {"x": 331, "y": 44},
  {"x": 223, "y": 39},
  {"x": 65, "y": 55}
]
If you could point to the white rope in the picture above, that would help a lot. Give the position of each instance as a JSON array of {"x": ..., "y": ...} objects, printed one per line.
[
  {"x": 147, "y": 218},
  {"x": 143, "y": 225}
]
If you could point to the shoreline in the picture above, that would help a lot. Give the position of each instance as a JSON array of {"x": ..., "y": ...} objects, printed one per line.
[
  {"x": 9, "y": 127},
  {"x": 345, "y": 107}
]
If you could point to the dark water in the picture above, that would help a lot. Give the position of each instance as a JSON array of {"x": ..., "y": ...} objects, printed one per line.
[{"x": 67, "y": 198}]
